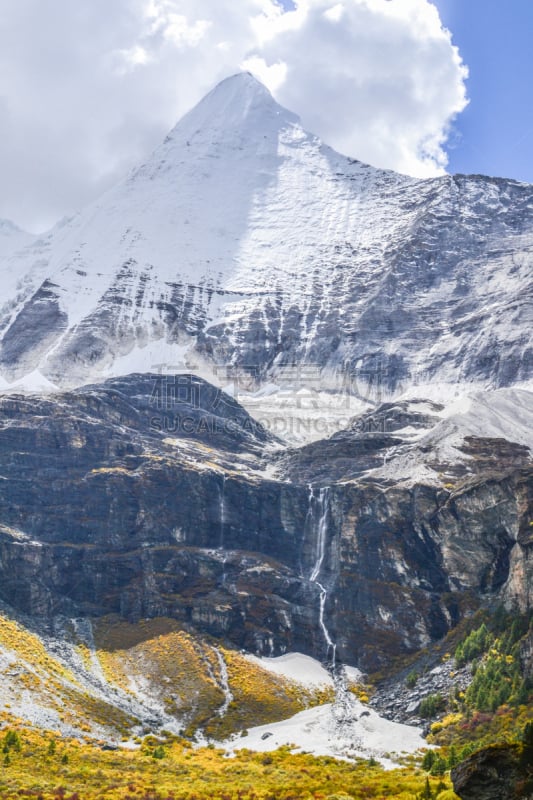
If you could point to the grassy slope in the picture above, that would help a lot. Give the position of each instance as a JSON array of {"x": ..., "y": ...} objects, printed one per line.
[
  {"x": 108, "y": 687},
  {"x": 186, "y": 774},
  {"x": 159, "y": 662}
]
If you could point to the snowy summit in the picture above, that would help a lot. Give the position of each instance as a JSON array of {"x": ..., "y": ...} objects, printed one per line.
[{"x": 245, "y": 240}]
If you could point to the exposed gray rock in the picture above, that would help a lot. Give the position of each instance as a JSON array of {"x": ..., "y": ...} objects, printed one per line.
[
  {"x": 400, "y": 702},
  {"x": 104, "y": 510}
]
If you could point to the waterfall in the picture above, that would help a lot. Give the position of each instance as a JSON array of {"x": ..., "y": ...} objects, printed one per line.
[
  {"x": 222, "y": 511},
  {"x": 331, "y": 647},
  {"x": 222, "y": 515},
  {"x": 319, "y": 520},
  {"x": 322, "y": 529},
  {"x": 346, "y": 708}
]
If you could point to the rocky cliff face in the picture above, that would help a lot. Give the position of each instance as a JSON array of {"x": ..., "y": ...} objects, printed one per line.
[{"x": 145, "y": 498}]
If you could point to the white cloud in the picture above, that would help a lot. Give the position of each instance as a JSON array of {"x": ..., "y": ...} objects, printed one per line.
[
  {"x": 335, "y": 13},
  {"x": 180, "y": 32},
  {"x": 377, "y": 79},
  {"x": 87, "y": 89},
  {"x": 272, "y": 75}
]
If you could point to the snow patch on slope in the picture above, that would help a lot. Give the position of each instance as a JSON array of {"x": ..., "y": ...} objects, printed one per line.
[
  {"x": 296, "y": 667},
  {"x": 316, "y": 731},
  {"x": 501, "y": 414},
  {"x": 33, "y": 382}
]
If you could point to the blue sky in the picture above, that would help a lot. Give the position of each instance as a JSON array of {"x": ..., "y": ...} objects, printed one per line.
[
  {"x": 87, "y": 90},
  {"x": 494, "y": 135}
]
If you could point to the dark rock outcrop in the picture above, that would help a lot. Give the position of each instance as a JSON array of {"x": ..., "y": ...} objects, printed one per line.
[
  {"x": 146, "y": 497},
  {"x": 500, "y": 772}
]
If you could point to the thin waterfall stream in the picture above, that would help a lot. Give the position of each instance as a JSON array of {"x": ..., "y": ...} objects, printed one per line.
[
  {"x": 222, "y": 512},
  {"x": 346, "y": 709},
  {"x": 320, "y": 530}
]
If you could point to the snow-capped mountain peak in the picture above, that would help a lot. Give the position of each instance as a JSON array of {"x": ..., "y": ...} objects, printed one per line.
[
  {"x": 237, "y": 103},
  {"x": 238, "y": 115},
  {"x": 244, "y": 240}
]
